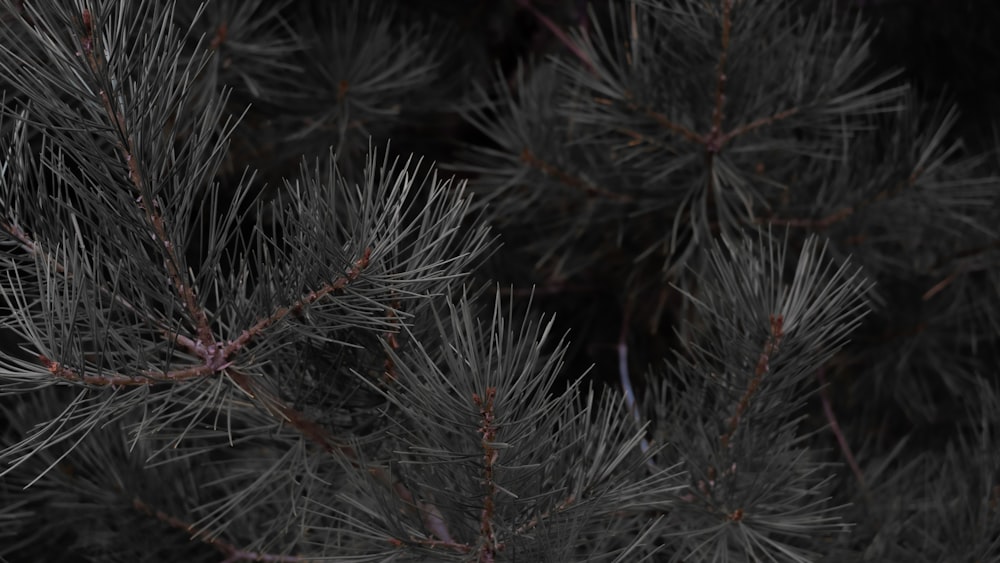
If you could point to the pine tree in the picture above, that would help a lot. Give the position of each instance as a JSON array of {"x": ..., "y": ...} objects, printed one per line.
[{"x": 245, "y": 325}]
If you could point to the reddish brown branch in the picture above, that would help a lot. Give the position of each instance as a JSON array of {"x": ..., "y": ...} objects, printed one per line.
[
  {"x": 720, "y": 69},
  {"x": 639, "y": 138},
  {"x": 568, "y": 179},
  {"x": 28, "y": 244},
  {"x": 119, "y": 380},
  {"x": 488, "y": 546},
  {"x": 831, "y": 418},
  {"x": 433, "y": 544},
  {"x": 941, "y": 285},
  {"x": 126, "y": 145},
  {"x": 659, "y": 118},
  {"x": 558, "y": 33},
  {"x": 962, "y": 267},
  {"x": 263, "y": 324},
  {"x": 818, "y": 224},
  {"x": 105, "y": 380},
  {"x": 343, "y": 87},
  {"x": 763, "y": 366},
  {"x": 221, "y": 34},
  {"x": 757, "y": 124},
  {"x": 390, "y": 375},
  {"x": 715, "y": 139},
  {"x": 215, "y": 355},
  {"x": 981, "y": 249},
  {"x": 305, "y": 426},
  {"x": 428, "y": 513},
  {"x": 845, "y": 212},
  {"x": 231, "y": 552},
  {"x": 534, "y": 522}
]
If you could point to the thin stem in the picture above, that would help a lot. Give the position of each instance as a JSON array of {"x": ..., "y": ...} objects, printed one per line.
[
  {"x": 568, "y": 179},
  {"x": 659, "y": 118},
  {"x": 763, "y": 366},
  {"x": 960, "y": 269},
  {"x": 429, "y": 514},
  {"x": 639, "y": 138},
  {"x": 941, "y": 285},
  {"x": 720, "y": 69},
  {"x": 26, "y": 242},
  {"x": 488, "y": 546},
  {"x": 558, "y": 33},
  {"x": 714, "y": 140},
  {"x": 118, "y": 380},
  {"x": 454, "y": 546},
  {"x": 231, "y": 552},
  {"x": 845, "y": 212},
  {"x": 831, "y": 418},
  {"x": 263, "y": 324},
  {"x": 390, "y": 374},
  {"x": 216, "y": 356},
  {"x": 93, "y": 53},
  {"x": 757, "y": 124},
  {"x": 538, "y": 519},
  {"x": 818, "y": 224}
]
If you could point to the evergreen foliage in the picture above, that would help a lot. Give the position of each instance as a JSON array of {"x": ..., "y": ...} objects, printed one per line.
[{"x": 242, "y": 324}]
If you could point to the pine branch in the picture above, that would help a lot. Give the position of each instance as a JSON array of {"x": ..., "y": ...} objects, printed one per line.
[
  {"x": 231, "y": 552},
  {"x": 256, "y": 362},
  {"x": 556, "y": 31},
  {"x": 763, "y": 366}
]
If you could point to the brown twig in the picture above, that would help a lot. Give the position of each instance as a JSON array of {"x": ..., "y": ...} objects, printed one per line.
[
  {"x": 831, "y": 418},
  {"x": 763, "y": 366},
  {"x": 103, "y": 380},
  {"x": 216, "y": 356},
  {"x": 232, "y": 553},
  {"x": 941, "y": 285},
  {"x": 818, "y": 224},
  {"x": 960, "y": 269},
  {"x": 429, "y": 514},
  {"x": 118, "y": 380},
  {"x": 757, "y": 124},
  {"x": 720, "y": 69},
  {"x": 845, "y": 212},
  {"x": 27, "y": 243},
  {"x": 93, "y": 53},
  {"x": 659, "y": 118},
  {"x": 263, "y": 324},
  {"x": 558, "y": 33},
  {"x": 537, "y": 519},
  {"x": 221, "y": 34},
  {"x": 639, "y": 138},
  {"x": 568, "y": 179},
  {"x": 488, "y": 545},
  {"x": 713, "y": 140},
  {"x": 390, "y": 373}
]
